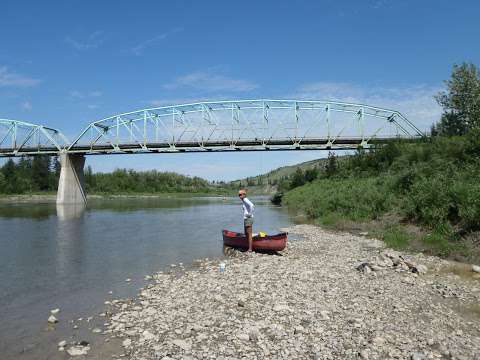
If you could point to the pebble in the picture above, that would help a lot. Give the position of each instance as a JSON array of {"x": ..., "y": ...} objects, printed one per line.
[
  {"x": 418, "y": 356},
  {"x": 55, "y": 311},
  {"x": 182, "y": 344},
  {"x": 127, "y": 342},
  {"x": 78, "y": 350},
  {"x": 52, "y": 319}
]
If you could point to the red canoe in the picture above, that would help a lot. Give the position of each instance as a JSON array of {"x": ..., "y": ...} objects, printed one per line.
[{"x": 275, "y": 242}]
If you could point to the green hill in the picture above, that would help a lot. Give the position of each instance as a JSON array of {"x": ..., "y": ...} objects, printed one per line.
[{"x": 269, "y": 183}]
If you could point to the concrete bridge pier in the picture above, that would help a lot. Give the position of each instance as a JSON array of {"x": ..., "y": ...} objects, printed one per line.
[{"x": 71, "y": 185}]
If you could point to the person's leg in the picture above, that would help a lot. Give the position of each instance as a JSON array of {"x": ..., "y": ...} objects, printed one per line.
[{"x": 248, "y": 234}]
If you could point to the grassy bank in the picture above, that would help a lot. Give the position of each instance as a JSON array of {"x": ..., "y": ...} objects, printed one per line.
[{"x": 424, "y": 196}]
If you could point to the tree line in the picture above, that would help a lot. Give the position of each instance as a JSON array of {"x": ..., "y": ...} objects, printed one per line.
[
  {"x": 41, "y": 173},
  {"x": 29, "y": 175}
]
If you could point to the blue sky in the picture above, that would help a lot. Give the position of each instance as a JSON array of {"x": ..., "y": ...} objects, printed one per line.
[{"x": 67, "y": 63}]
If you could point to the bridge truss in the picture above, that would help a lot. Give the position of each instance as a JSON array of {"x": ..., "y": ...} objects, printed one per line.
[
  {"x": 18, "y": 138},
  {"x": 245, "y": 125},
  {"x": 218, "y": 126}
]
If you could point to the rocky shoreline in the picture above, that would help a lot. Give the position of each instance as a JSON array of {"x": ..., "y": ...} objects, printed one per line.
[{"x": 328, "y": 296}]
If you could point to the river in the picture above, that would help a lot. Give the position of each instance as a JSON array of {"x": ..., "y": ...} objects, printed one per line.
[{"x": 75, "y": 259}]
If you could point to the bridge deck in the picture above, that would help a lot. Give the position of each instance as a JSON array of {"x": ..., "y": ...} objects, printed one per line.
[{"x": 217, "y": 146}]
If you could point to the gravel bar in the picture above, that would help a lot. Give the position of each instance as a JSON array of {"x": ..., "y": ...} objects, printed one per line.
[{"x": 327, "y": 296}]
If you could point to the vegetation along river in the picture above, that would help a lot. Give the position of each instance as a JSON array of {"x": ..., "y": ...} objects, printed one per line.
[{"x": 63, "y": 257}]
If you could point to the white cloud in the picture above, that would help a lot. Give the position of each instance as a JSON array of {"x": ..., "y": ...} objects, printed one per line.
[
  {"x": 178, "y": 101},
  {"x": 211, "y": 80},
  {"x": 139, "y": 48},
  {"x": 95, "y": 93},
  {"x": 93, "y": 41},
  {"x": 27, "y": 106},
  {"x": 12, "y": 79},
  {"x": 92, "y": 106},
  {"x": 75, "y": 94},
  {"x": 416, "y": 102}
]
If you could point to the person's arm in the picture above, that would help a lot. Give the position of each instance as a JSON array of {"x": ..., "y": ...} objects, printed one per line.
[{"x": 249, "y": 207}]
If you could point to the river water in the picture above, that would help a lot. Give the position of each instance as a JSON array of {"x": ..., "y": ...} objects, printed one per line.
[{"x": 75, "y": 259}]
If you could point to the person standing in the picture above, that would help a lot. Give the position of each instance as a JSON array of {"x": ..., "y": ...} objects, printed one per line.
[{"x": 248, "y": 208}]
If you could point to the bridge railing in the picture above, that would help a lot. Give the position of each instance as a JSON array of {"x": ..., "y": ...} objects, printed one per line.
[
  {"x": 19, "y": 138},
  {"x": 245, "y": 125}
]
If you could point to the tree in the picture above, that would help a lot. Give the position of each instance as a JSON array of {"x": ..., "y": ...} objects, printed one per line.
[
  {"x": 41, "y": 172},
  {"x": 298, "y": 179},
  {"x": 10, "y": 176},
  {"x": 461, "y": 101},
  {"x": 331, "y": 167},
  {"x": 311, "y": 174},
  {"x": 3, "y": 183},
  {"x": 451, "y": 124}
]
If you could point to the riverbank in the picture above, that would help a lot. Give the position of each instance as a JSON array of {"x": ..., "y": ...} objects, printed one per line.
[
  {"x": 313, "y": 301},
  {"x": 52, "y": 197}
]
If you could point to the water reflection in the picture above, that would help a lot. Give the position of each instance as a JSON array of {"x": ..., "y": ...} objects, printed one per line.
[{"x": 70, "y": 211}]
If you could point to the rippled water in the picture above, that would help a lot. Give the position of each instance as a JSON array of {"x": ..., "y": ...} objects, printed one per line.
[{"x": 71, "y": 258}]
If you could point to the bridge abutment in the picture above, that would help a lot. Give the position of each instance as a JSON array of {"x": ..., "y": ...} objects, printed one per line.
[{"x": 71, "y": 185}]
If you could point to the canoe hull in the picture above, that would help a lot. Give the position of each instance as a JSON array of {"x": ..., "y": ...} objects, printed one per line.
[{"x": 276, "y": 242}]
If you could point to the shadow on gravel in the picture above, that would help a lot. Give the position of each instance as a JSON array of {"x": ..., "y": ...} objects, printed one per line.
[{"x": 234, "y": 252}]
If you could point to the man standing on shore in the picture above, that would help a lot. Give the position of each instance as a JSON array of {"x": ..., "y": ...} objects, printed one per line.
[{"x": 248, "y": 208}]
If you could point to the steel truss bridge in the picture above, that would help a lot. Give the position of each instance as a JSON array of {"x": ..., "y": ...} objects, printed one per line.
[{"x": 218, "y": 126}]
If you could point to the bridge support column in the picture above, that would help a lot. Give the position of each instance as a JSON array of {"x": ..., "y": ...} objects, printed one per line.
[{"x": 71, "y": 185}]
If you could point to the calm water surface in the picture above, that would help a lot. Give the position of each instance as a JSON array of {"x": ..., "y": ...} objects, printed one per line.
[{"x": 71, "y": 258}]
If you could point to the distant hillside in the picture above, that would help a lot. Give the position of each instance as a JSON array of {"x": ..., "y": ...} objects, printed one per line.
[{"x": 268, "y": 183}]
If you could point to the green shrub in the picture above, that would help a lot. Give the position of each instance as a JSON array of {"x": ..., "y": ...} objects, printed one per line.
[
  {"x": 355, "y": 199},
  {"x": 395, "y": 237}
]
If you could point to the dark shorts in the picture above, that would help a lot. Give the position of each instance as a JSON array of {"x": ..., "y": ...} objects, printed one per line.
[{"x": 248, "y": 222}]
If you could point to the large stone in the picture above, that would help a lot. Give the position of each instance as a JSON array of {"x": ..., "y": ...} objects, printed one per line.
[{"x": 476, "y": 268}]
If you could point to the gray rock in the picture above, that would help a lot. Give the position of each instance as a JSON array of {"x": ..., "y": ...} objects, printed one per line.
[
  {"x": 182, "y": 344},
  {"x": 127, "y": 343},
  {"x": 78, "y": 350},
  {"x": 242, "y": 336},
  {"x": 281, "y": 307},
  {"x": 476, "y": 268},
  {"x": 418, "y": 356},
  {"x": 420, "y": 269},
  {"x": 148, "y": 335},
  {"x": 254, "y": 334}
]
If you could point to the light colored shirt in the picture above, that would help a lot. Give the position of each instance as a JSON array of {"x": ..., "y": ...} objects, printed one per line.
[{"x": 248, "y": 208}]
